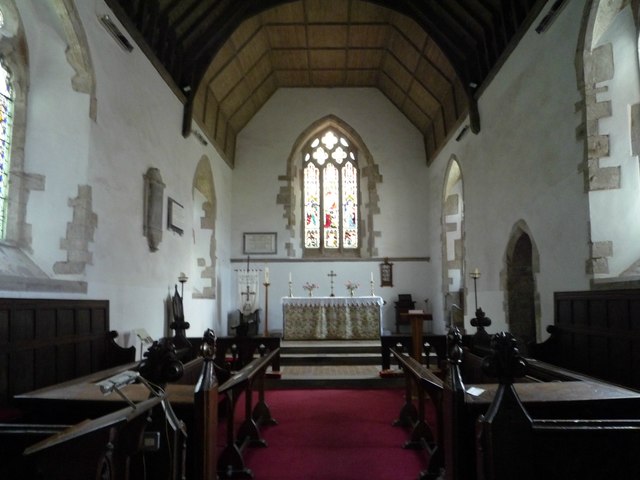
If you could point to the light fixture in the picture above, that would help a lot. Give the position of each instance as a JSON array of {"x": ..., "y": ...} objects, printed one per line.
[
  {"x": 462, "y": 133},
  {"x": 545, "y": 23},
  {"x": 182, "y": 279},
  {"x": 115, "y": 32}
]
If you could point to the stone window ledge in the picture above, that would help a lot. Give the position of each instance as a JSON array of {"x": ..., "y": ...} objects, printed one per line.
[{"x": 19, "y": 273}]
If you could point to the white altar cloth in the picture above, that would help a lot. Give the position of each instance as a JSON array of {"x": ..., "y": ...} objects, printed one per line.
[{"x": 332, "y": 318}]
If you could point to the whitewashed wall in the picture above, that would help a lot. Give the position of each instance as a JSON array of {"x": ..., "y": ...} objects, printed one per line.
[
  {"x": 614, "y": 213},
  {"x": 262, "y": 152},
  {"x": 523, "y": 165},
  {"x": 138, "y": 126}
]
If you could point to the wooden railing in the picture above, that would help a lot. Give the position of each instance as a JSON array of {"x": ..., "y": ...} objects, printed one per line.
[
  {"x": 420, "y": 384},
  {"x": 231, "y": 463}
]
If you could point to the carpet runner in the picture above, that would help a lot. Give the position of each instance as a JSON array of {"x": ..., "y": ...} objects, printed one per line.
[{"x": 335, "y": 434}]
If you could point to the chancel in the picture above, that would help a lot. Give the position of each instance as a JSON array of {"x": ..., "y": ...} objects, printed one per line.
[{"x": 309, "y": 172}]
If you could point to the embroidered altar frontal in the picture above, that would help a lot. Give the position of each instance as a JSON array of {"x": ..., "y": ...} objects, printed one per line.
[{"x": 331, "y": 318}]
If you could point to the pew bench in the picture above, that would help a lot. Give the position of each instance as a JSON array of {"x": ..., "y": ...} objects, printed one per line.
[
  {"x": 546, "y": 391},
  {"x": 511, "y": 444},
  {"x": 44, "y": 342}
]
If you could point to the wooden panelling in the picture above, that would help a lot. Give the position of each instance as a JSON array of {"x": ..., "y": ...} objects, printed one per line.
[
  {"x": 596, "y": 333},
  {"x": 43, "y": 342}
]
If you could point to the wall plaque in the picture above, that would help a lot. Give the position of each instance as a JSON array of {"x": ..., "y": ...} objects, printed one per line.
[{"x": 259, "y": 243}]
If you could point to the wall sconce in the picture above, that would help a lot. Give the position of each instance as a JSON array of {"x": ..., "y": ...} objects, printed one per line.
[{"x": 115, "y": 32}]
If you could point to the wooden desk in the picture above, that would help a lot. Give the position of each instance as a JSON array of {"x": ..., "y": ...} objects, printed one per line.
[{"x": 79, "y": 399}]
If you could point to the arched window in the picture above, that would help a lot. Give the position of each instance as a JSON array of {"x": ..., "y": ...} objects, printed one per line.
[
  {"x": 6, "y": 124},
  {"x": 330, "y": 195}
]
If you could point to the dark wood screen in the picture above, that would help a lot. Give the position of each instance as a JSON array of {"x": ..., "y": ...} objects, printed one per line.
[
  {"x": 43, "y": 342},
  {"x": 596, "y": 333}
]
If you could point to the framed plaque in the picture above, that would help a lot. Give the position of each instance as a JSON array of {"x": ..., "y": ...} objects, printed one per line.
[
  {"x": 259, "y": 243},
  {"x": 386, "y": 274}
]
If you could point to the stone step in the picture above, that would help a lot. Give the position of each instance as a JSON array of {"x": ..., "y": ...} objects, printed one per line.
[
  {"x": 330, "y": 353},
  {"x": 330, "y": 349},
  {"x": 287, "y": 358}
]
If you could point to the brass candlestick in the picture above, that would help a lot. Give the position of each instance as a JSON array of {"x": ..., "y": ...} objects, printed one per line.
[{"x": 266, "y": 308}]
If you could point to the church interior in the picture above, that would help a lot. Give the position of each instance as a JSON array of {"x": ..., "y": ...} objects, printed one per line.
[{"x": 427, "y": 177}]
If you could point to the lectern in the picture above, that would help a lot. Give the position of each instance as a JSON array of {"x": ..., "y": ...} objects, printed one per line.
[{"x": 416, "y": 318}]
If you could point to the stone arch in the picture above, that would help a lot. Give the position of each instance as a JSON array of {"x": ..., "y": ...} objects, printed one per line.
[
  {"x": 370, "y": 177},
  {"x": 78, "y": 53},
  {"x": 453, "y": 281},
  {"x": 522, "y": 300},
  {"x": 204, "y": 240}
]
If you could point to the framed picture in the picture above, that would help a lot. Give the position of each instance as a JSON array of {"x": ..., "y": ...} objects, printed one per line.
[
  {"x": 260, "y": 243},
  {"x": 175, "y": 216},
  {"x": 386, "y": 274}
]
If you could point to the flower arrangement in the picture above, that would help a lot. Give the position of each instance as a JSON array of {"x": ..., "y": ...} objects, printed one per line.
[
  {"x": 310, "y": 287},
  {"x": 351, "y": 286}
]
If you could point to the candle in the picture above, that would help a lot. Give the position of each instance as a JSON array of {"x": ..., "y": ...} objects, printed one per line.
[
  {"x": 372, "y": 276},
  {"x": 289, "y": 277},
  {"x": 266, "y": 274}
]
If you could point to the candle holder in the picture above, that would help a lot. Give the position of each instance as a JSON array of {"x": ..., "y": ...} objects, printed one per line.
[
  {"x": 266, "y": 308},
  {"x": 182, "y": 279},
  {"x": 371, "y": 283},
  {"x": 290, "y": 289},
  {"x": 482, "y": 338},
  {"x": 475, "y": 275}
]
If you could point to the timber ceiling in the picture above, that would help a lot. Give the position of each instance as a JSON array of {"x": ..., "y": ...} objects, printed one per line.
[{"x": 431, "y": 58}]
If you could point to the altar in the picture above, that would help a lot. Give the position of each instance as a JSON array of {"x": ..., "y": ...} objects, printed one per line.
[{"x": 332, "y": 318}]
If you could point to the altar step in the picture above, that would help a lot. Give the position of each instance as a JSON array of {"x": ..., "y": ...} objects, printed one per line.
[
  {"x": 330, "y": 353},
  {"x": 332, "y": 364}
]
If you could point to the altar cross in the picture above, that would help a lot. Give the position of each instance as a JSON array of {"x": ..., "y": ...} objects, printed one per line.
[{"x": 331, "y": 275}]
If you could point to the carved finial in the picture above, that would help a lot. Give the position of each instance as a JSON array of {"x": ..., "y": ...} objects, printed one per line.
[
  {"x": 208, "y": 347},
  {"x": 455, "y": 346},
  {"x": 505, "y": 361}
]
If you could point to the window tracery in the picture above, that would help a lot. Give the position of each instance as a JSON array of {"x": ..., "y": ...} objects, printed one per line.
[{"x": 330, "y": 194}]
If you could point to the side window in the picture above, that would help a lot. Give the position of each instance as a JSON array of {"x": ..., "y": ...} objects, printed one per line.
[{"x": 6, "y": 124}]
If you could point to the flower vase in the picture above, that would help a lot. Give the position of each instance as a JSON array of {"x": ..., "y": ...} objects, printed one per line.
[
  {"x": 310, "y": 293},
  {"x": 351, "y": 290}
]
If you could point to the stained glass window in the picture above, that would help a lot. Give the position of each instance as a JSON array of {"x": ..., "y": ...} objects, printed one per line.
[
  {"x": 330, "y": 194},
  {"x": 6, "y": 122}
]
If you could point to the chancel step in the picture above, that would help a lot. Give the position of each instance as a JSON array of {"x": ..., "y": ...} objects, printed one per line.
[{"x": 329, "y": 353}]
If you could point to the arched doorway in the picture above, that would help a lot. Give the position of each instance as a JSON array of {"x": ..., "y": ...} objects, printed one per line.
[{"x": 521, "y": 292}]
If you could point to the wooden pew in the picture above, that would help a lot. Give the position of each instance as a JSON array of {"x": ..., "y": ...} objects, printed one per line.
[
  {"x": 596, "y": 333},
  {"x": 547, "y": 392},
  {"x": 510, "y": 444},
  {"x": 44, "y": 342},
  {"x": 425, "y": 385}
]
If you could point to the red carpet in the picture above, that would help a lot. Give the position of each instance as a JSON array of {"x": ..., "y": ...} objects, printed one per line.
[{"x": 334, "y": 435}]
